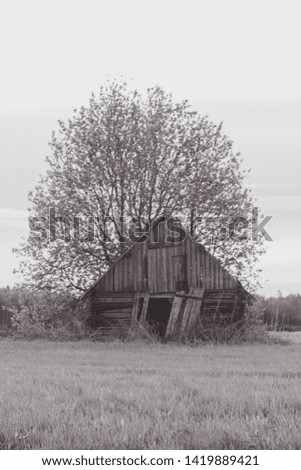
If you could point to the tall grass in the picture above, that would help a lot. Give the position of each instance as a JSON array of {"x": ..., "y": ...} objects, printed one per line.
[{"x": 160, "y": 396}]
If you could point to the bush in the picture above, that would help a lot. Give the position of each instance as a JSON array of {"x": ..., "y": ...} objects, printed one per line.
[
  {"x": 54, "y": 316},
  {"x": 249, "y": 329},
  {"x": 124, "y": 332},
  {"x": 47, "y": 315},
  {"x": 253, "y": 327}
]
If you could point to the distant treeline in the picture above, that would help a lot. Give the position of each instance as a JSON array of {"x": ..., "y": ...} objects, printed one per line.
[
  {"x": 10, "y": 300},
  {"x": 282, "y": 313},
  {"x": 279, "y": 313}
]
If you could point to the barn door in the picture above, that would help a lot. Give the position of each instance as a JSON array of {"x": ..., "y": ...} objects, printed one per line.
[
  {"x": 180, "y": 272},
  {"x": 166, "y": 270}
]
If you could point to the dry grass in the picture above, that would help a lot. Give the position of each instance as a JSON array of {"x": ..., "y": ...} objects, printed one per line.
[
  {"x": 136, "y": 396},
  {"x": 292, "y": 336}
]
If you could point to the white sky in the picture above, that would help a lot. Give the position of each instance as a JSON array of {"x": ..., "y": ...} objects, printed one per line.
[{"x": 238, "y": 61}]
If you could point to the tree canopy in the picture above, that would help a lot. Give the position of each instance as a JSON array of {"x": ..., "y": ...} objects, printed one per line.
[{"x": 130, "y": 156}]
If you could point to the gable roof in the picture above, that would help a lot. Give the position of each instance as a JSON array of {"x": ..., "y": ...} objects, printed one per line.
[{"x": 154, "y": 224}]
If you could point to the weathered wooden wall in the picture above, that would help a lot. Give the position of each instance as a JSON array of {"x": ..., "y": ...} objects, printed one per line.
[
  {"x": 114, "y": 310},
  {"x": 159, "y": 266}
]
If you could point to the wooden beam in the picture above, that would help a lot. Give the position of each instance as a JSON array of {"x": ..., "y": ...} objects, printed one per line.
[
  {"x": 117, "y": 295},
  {"x": 188, "y": 306},
  {"x": 144, "y": 309},
  {"x": 135, "y": 309},
  {"x": 173, "y": 317},
  {"x": 191, "y": 312},
  {"x": 93, "y": 306},
  {"x": 190, "y": 296},
  {"x": 163, "y": 295},
  {"x": 114, "y": 300},
  {"x": 194, "y": 313}
]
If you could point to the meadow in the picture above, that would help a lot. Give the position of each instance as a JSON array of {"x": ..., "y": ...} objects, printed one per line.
[{"x": 149, "y": 396}]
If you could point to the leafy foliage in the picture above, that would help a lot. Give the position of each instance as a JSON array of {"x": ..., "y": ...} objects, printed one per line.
[
  {"x": 40, "y": 314},
  {"x": 43, "y": 309}
]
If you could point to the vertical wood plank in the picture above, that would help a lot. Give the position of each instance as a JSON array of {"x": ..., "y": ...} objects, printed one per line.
[
  {"x": 186, "y": 313},
  {"x": 174, "y": 317},
  {"x": 220, "y": 276},
  {"x": 135, "y": 309},
  {"x": 191, "y": 312},
  {"x": 194, "y": 312},
  {"x": 140, "y": 267},
  {"x": 144, "y": 309},
  {"x": 193, "y": 263}
]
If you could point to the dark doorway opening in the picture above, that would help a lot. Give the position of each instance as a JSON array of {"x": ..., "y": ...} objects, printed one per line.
[{"x": 158, "y": 313}]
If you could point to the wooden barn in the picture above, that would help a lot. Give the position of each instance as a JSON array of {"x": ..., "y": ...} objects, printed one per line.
[{"x": 169, "y": 282}]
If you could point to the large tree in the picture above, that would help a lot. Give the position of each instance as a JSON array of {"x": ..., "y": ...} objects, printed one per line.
[{"x": 127, "y": 156}]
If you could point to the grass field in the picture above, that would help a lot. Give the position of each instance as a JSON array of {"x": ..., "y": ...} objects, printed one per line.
[
  {"x": 292, "y": 336},
  {"x": 138, "y": 396}
]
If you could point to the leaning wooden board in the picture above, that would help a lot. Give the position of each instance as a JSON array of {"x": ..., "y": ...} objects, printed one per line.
[
  {"x": 184, "y": 313},
  {"x": 174, "y": 317},
  {"x": 192, "y": 312}
]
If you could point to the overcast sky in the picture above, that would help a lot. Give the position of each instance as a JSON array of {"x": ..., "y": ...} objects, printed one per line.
[{"x": 237, "y": 61}]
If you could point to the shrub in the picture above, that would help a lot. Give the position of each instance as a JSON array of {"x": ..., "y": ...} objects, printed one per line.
[
  {"x": 249, "y": 329},
  {"x": 47, "y": 315},
  {"x": 253, "y": 326}
]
